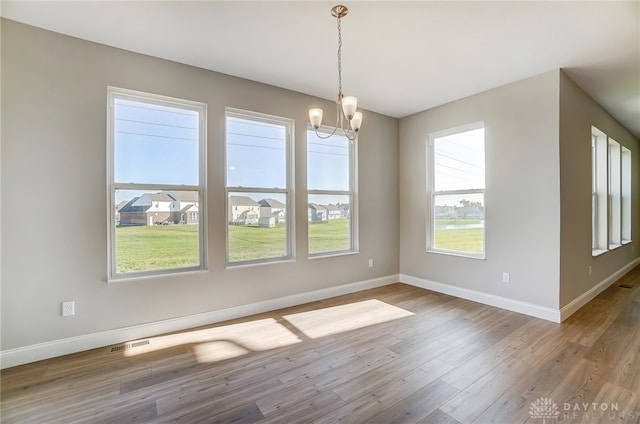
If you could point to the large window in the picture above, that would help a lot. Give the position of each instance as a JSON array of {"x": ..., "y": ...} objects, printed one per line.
[
  {"x": 258, "y": 180},
  {"x": 457, "y": 207},
  {"x": 599, "y": 189},
  {"x": 156, "y": 177},
  {"x": 331, "y": 201},
  {"x": 611, "y": 193}
]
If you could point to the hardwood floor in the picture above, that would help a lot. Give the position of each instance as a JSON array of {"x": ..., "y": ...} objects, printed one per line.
[{"x": 397, "y": 354}]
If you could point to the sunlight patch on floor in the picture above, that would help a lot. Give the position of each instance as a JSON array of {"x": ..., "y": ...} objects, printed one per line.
[
  {"x": 338, "y": 319},
  {"x": 224, "y": 342}
]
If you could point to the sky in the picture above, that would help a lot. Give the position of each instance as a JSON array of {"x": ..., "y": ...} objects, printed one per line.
[
  {"x": 458, "y": 164},
  {"x": 157, "y": 144}
]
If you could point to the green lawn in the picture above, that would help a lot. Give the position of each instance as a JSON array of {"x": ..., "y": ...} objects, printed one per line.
[
  {"x": 146, "y": 248},
  {"x": 454, "y": 234},
  {"x": 252, "y": 242},
  {"x": 329, "y": 236}
]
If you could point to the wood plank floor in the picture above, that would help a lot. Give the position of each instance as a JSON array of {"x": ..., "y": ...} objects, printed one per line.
[{"x": 396, "y": 354}]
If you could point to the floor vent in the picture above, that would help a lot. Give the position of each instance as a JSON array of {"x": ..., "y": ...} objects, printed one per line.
[
  {"x": 626, "y": 286},
  {"x": 127, "y": 346}
]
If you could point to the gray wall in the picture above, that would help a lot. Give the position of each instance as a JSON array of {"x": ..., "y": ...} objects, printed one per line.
[
  {"x": 578, "y": 112},
  {"x": 522, "y": 192},
  {"x": 54, "y": 194}
]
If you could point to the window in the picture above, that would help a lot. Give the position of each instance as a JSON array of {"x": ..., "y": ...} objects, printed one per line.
[
  {"x": 258, "y": 181},
  {"x": 156, "y": 173},
  {"x": 599, "y": 197},
  {"x": 614, "y": 195},
  {"x": 457, "y": 182},
  {"x": 611, "y": 193},
  {"x": 331, "y": 194},
  {"x": 626, "y": 195}
]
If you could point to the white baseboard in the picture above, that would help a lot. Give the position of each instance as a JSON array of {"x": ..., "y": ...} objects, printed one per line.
[
  {"x": 530, "y": 309},
  {"x": 577, "y": 303},
  {"x": 37, "y": 352}
]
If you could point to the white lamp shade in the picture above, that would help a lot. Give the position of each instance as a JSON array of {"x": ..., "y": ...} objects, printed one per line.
[
  {"x": 315, "y": 117},
  {"x": 356, "y": 122},
  {"x": 349, "y": 106}
]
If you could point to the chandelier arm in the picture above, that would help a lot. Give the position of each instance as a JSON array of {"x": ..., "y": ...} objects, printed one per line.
[{"x": 327, "y": 136}]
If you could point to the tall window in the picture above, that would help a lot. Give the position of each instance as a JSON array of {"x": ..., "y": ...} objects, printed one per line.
[
  {"x": 626, "y": 194},
  {"x": 599, "y": 190},
  {"x": 457, "y": 191},
  {"x": 611, "y": 193},
  {"x": 258, "y": 179},
  {"x": 156, "y": 177},
  {"x": 331, "y": 201},
  {"x": 615, "y": 198}
]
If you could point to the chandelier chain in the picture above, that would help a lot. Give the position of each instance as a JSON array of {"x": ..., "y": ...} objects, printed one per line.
[{"x": 339, "y": 59}]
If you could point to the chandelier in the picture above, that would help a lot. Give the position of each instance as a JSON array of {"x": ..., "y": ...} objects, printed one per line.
[{"x": 347, "y": 118}]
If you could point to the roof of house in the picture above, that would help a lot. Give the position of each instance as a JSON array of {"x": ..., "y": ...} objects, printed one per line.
[
  {"x": 129, "y": 207},
  {"x": 333, "y": 208},
  {"x": 242, "y": 201},
  {"x": 271, "y": 203},
  {"x": 188, "y": 207},
  {"x": 184, "y": 196},
  {"x": 317, "y": 206},
  {"x": 158, "y": 197}
]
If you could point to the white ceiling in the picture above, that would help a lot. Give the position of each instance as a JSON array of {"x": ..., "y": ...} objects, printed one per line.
[{"x": 399, "y": 58}]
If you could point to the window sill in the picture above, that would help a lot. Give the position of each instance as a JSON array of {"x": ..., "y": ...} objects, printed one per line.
[
  {"x": 597, "y": 252},
  {"x": 459, "y": 254},
  {"x": 236, "y": 265},
  {"x": 614, "y": 246},
  {"x": 163, "y": 274},
  {"x": 333, "y": 254}
]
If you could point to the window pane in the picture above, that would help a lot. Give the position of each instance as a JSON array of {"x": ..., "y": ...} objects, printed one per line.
[
  {"x": 329, "y": 223},
  {"x": 626, "y": 194},
  {"x": 327, "y": 162},
  {"x": 257, "y": 226},
  {"x": 155, "y": 144},
  {"x": 256, "y": 153},
  {"x": 459, "y": 223},
  {"x": 156, "y": 230},
  {"x": 600, "y": 197},
  {"x": 458, "y": 161},
  {"x": 614, "y": 194}
]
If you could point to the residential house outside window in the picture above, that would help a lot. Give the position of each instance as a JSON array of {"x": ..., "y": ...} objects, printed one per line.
[
  {"x": 457, "y": 186},
  {"x": 259, "y": 149},
  {"x": 156, "y": 176},
  {"x": 331, "y": 194}
]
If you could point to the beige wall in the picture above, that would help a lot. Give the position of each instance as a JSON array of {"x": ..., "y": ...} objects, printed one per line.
[
  {"x": 578, "y": 112},
  {"x": 54, "y": 165},
  {"x": 522, "y": 193}
]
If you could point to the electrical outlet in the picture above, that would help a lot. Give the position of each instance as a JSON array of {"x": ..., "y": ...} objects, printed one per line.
[
  {"x": 68, "y": 308},
  {"x": 506, "y": 278},
  {"x": 370, "y": 263}
]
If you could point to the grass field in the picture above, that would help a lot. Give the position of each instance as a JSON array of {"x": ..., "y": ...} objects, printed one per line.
[
  {"x": 147, "y": 248},
  {"x": 455, "y": 234}
]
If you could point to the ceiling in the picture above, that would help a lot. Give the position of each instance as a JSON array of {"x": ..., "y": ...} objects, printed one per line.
[{"x": 399, "y": 58}]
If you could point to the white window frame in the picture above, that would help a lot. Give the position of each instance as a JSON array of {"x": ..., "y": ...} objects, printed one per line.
[
  {"x": 352, "y": 193},
  {"x": 599, "y": 193},
  {"x": 626, "y": 172},
  {"x": 431, "y": 199},
  {"x": 114, "y": 93},
  {"x": 611, "y": 193},
  {"x": 615, "y": 195},
  {"x": 288, "y": 191}
]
